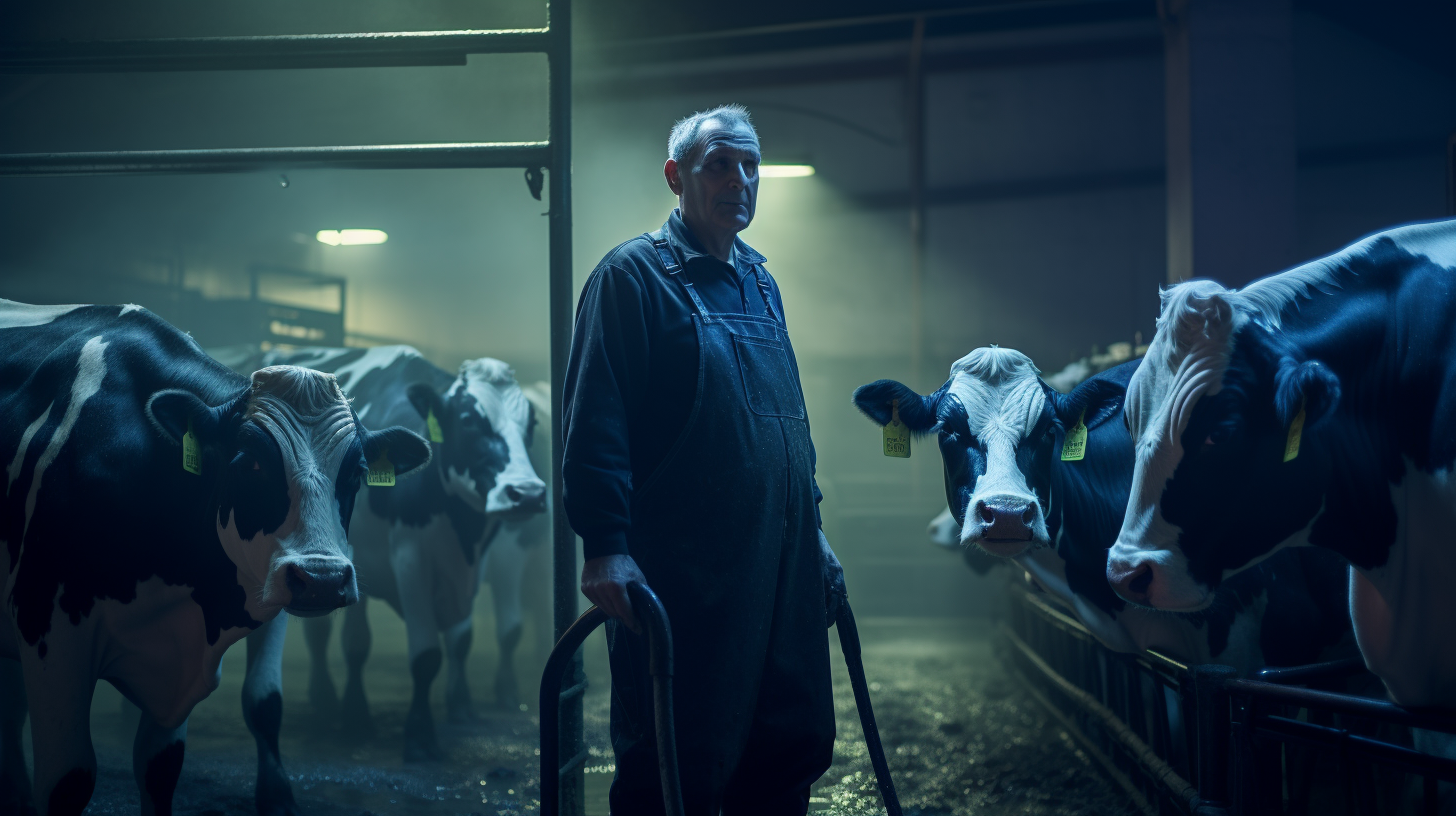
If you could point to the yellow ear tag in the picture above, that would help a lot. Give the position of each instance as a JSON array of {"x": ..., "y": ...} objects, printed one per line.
[
  {"x": 381, "y": 471},
  {"x": 436, "y": 435},
  {"x": 1296, "y": 430},
  {"x": 1075, "y": 447},
  {"x": 897, "y": 434},
  {"x": 191, "y": 452}
]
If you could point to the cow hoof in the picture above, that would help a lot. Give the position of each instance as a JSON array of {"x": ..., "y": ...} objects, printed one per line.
[
  {"x": 274, "y": 796},
  {"x": 422, "y": 750},
  {"x": 321, "y": 695},
  {"x": 355, "y": 721},
  {"x": 461, "y": 713}
]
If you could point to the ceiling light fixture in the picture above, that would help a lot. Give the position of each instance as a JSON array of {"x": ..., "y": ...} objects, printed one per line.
[
  {"x": 351, "y": 237},
  {"x": 785, "y": 170}
]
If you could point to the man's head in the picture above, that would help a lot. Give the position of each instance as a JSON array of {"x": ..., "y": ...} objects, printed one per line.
[{"x": 712, "y": 168}]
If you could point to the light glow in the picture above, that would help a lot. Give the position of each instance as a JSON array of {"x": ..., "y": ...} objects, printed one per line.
[
  {"x": 351, "y": 237},
  {"x": 785, "y": 170}
]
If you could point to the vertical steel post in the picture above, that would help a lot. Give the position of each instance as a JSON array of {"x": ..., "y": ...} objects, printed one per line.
[
  {"x": 563, "y": 539},
  {"x": 1213, "y": 733}
]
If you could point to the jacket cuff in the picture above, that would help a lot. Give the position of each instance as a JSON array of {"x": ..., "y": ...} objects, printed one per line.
[{"x": 597, "y": 546}]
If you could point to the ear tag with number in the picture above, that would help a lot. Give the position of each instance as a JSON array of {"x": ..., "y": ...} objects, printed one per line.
[
  {"x": 191, "y": 451},
  {"x": 897, "y": 434},
  {"x": 1296, "y": 430},
  {"x": 1075, "y": 447},
  {"x": 436, "y": 435},
  {"x": 381, "y": 471}
]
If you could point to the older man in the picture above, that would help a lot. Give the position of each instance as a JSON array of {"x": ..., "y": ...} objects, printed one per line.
[{"x": 689, "y": 467}]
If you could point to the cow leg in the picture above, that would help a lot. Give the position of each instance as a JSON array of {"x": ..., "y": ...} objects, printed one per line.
[
  {"x": 156, "y": 762},
  {"x": 60, "y": 732},
  {"x": 14, "y": 777},
  {"x": 263, "y": 712},
  {"x": 505, "y": 568},
  {"x": 321, "y": 693},
  {"x": 356, "y": 640},
  {"x": 423, "y": 634},
  {"x": 458, "y": 705}
]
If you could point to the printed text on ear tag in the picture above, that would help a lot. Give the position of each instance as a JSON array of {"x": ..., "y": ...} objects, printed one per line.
[
  {"x": 897, "y": 434},
  {"x": 1076, "y": 445},
  {"x": 381, "y": 471},
  {"x": 191, "y": 452},
  {"x": 436, "y": 435},
  {"x": 1296, "y": 430}
]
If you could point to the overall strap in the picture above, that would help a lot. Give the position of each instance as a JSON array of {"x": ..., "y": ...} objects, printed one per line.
[
  {"x": 763, "y": 289},
  {"x": 668, "y": 259}
]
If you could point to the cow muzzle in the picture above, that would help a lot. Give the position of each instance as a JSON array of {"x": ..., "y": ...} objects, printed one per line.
[
  {"x": 1004, "y": 526},
  {"x": 524, "y": 497},
  {"x": 319, "y": 584},
  {"x": 1150, "y": 583}
]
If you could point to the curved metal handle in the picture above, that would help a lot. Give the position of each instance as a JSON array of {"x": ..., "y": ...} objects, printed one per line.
[
  {"x": 652, "y": 616},
  {"x": 849, "y": 644}
]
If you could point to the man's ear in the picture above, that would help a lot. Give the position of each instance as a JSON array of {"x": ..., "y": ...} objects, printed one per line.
[
  {"x": 673, "y": 173},
  {"x": 425, "y": 399},
  {"x": 1310, "y": 384},
  {"x": 171, "y": 410},
  {"x": 407, "y": 450},
  {"x": 877, "y": 400}
]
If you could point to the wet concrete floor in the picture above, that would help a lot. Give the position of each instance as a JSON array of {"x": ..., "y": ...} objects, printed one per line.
[{"x": 963, "y": 736}]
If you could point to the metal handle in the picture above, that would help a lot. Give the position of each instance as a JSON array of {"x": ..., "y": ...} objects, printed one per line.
[
  {"x": 650, "y": 613},
  {"x": 849, "y": 644}
]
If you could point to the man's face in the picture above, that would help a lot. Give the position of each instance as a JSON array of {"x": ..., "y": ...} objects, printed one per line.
[{"x": 717, "y": 183}]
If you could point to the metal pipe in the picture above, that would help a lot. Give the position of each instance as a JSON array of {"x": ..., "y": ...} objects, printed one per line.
[
  {"x": 1292, "y": 675},
  {"x": 1345, "y": 704},
  {"x": 252, "y": 159},
  {"x": 361, "y": 50}
]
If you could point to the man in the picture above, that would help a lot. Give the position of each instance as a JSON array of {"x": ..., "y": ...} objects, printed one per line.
[{"x": 689, "y": 468}]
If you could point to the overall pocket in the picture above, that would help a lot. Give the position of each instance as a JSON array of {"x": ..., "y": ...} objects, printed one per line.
[{"x": 768, "y": 380}]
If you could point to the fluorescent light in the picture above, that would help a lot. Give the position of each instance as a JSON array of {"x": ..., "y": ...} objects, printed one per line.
[
  {"x": 785, "y": 170},
  {"x": 351, "y": 237}
]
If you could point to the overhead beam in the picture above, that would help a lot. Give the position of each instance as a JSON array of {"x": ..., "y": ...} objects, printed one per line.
[
  {"x": 247, "y": 160},
  {"x": 386, "y": 49}
]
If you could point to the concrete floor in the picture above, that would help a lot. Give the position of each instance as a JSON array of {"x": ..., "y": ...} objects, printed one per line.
[{"x": 962, "y": 736}]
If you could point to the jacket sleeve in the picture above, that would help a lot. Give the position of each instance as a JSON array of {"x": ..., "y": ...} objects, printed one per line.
[{"x": 605, "y": 376}]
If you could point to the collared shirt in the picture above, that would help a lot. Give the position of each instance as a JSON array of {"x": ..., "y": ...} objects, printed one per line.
[{"x": 632, "y": 376}]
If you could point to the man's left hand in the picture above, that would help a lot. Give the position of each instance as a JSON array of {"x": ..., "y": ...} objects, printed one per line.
[{"x": 834, "y": 591}]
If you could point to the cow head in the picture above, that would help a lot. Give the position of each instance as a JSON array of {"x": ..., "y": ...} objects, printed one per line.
[
  {"x": 285, "y": 459},
  {"x": 994, "y": 423},
  {"x": 1210, "y": 413},
  {"x": 487, "y": 424}
]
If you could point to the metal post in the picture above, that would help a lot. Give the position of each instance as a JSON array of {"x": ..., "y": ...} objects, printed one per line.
[
  {"x": 563, "y": 539},
  {"x": 1213, "y": 734}
]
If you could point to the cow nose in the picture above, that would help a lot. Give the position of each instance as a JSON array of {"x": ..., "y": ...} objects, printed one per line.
[
  {"x": 528, "y": 496},
  {"x": 1132, "y": 584},
  {"x": 318, "y": 586},
  {"x": 1006, "y": 520}
]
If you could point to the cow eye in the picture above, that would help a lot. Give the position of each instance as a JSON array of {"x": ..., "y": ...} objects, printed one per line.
[{"x": 1217, "y": 436}]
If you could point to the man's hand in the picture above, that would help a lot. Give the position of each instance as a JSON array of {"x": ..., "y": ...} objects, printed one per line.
[
  {"x": 834, "y": 591},
  {"x": 604, "y": 582}
]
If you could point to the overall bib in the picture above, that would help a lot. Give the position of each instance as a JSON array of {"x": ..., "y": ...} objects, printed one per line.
[{"x": 726, "y": 534}]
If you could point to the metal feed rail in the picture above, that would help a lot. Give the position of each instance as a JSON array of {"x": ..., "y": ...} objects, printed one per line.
[
  {"x": 390, "y": 49},
  {"x": 1248, "y": 746}
]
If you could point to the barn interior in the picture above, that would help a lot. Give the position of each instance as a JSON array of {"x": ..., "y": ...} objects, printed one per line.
[{"x": 939, "y": 175}]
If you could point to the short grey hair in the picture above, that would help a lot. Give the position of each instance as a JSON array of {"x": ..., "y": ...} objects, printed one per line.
[{"x": 684, "y": 138}]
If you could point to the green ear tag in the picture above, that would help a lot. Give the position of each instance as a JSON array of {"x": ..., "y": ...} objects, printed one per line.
[
  {"x": 1296, "y": 430},
  {"x": 436, "y": 435},
  {"x": 191, "y": 452},
  {"x": 897, "y": 434},
  {"x": 1076, "y": 445},
  {"x": 381, "y": 471}
]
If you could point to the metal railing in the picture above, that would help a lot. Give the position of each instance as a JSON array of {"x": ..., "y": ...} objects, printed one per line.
[{"x": 1201, "y": 740}]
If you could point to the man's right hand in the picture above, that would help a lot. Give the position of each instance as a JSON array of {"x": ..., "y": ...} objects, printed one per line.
[{"x": 604, "y": 582}]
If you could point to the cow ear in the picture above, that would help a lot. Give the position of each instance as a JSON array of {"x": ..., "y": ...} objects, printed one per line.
[
  {"x": 877, "y": 400},
  {"x": 1197, "y": 318},
  {"x": 1310, "y": 384},
  {"x": 1093, "y": 402},
  {"x": 425, "y": 399},
  {"x": 407, "y": 450},
  {"x": 170, "y": 412}
]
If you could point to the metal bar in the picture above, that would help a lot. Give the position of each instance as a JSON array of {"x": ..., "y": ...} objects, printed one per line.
[
  {"x": 1401, "y": 757},
  {"x": 575, "y": 691},
  {"x": 559, "y": 299},
  {"x": 1209, "y": 688},
  {"x": 1303, "y": 674},
  {"x": 1345, "y": 704},
  {"x": 252, "y": 159},
  {"x": 372, "y": 49}
]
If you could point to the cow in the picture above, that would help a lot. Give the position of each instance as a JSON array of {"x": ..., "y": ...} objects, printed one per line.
[
  {"x": 419, "y": 547},
  {"x": 158, "y": 507},
  {"x": 1313, "y": 407},
  {"x": 1002, "y": 432}
]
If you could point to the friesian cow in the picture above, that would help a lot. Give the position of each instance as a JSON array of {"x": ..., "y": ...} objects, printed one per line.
[
  {"x": 1002, "y": 433},
  {"x": 419, "y": 546},
  {"x": 1313, "y": 407},
  {"x": 157, "y": 508}
]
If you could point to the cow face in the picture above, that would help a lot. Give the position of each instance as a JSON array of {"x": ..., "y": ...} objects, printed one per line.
[
  {"x": 1210, "y": 411},
  {"x": 994, "y": 424},
  {"x": 285, "y": 460},
  {"x": 487, "y": 424}
]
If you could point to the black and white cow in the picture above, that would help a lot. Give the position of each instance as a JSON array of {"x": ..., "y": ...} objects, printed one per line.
[
  {"x": 1001, "y": 432},
  {"x": 1314, "y": 407},
  {"x": 418, "y": 546},
  {"x": 157, "y": 508}
]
